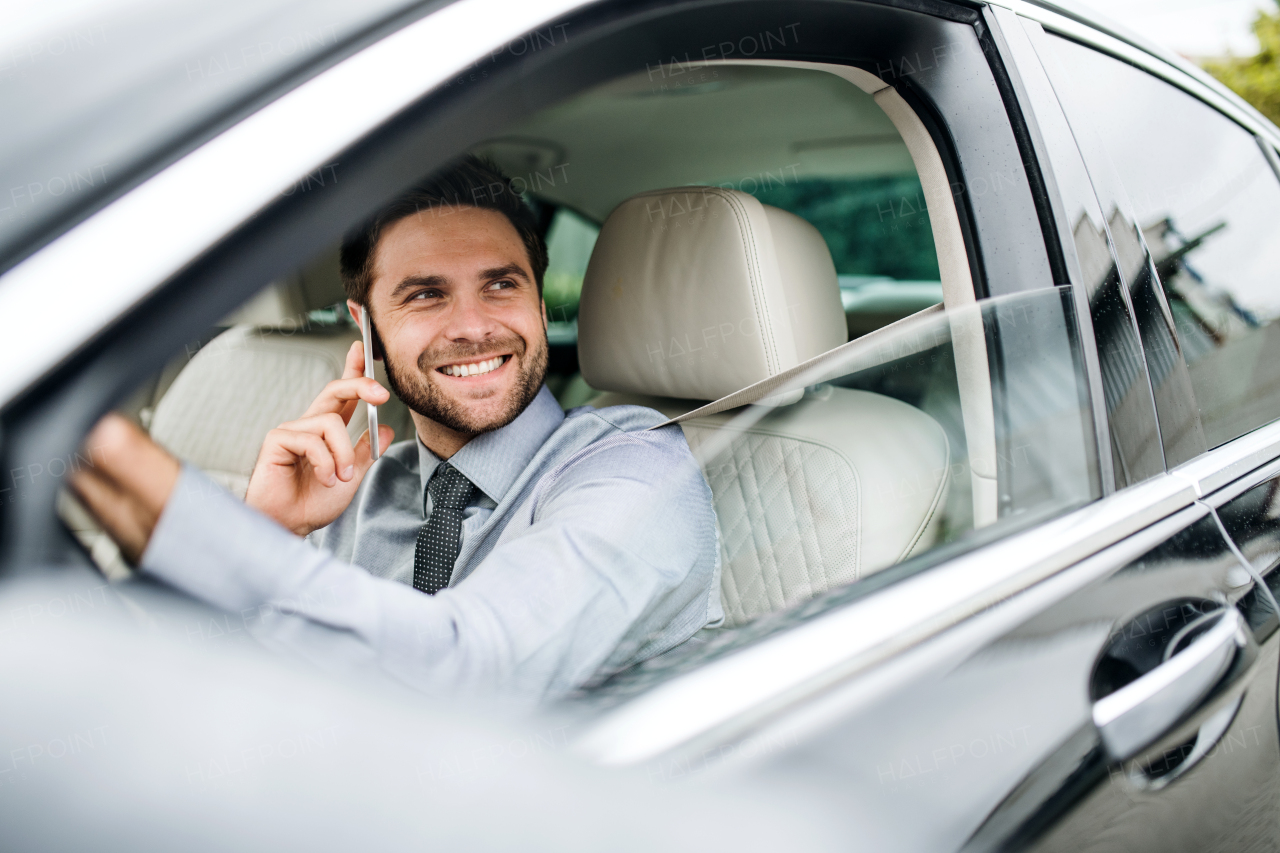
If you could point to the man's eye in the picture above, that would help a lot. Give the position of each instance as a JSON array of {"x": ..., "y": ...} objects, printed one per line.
[
  {"x": 426, "y": 294},
  {"x": 503, "y": 284}
]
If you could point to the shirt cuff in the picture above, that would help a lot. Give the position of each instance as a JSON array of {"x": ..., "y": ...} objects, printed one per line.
[{"x": 214, "y": 547}]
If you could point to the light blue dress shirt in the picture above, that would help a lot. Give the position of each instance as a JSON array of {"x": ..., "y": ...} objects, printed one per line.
[{"x": 589, "y": 545}]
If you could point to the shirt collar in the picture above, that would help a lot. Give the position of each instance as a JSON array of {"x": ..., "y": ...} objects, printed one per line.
[{"x": 493, "y": 460}]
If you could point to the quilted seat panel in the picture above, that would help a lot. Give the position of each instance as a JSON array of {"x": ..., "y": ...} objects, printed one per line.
[
  {"x": 818, "y": 494},
  {"x": 787, "y": 511}
]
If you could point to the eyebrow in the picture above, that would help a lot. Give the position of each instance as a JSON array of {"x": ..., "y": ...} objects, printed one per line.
[
  {"x": 510, "y": 270},
  {"x": 418, "y": 281},
  {"x": 504, "y": 272}
]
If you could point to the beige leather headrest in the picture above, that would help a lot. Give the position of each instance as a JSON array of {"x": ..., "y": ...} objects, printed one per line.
[{"x": 697, "y": 292}]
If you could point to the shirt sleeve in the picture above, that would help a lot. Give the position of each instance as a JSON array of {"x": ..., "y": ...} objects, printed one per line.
[{"x": 619, "y": 563}]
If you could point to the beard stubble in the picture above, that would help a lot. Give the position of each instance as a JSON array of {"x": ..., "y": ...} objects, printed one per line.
[{"x": 422, "y": 395}]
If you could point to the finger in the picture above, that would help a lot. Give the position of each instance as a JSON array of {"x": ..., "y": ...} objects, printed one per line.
[
  {"x": 287, "y": 447},
  {"x": 340, "y": 392},
  {"x": 364, "y": 454},
  {"x": 355, "y": 361},
  {"x": 333, "y": 429},
  {"x": 120, "y": 515},
  {"x": 101, "y": 495},
  {"x": 129, "y": 457}
]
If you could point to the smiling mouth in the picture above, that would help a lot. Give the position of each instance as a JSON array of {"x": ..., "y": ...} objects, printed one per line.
[{"x": 474, "y": 368}]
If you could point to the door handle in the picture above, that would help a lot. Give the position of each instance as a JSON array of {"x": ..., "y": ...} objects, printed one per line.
[{"x": 1142, "y": 711}]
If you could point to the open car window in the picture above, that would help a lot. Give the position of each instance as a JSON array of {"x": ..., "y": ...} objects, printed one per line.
[{"x": 950, "y": 429}]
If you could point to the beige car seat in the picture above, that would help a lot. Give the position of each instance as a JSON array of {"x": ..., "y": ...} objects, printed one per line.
[
  {"x": 262, "y": 371},
  {"x": 214, "y": 408},
  {"x": 696, "y": 292}
]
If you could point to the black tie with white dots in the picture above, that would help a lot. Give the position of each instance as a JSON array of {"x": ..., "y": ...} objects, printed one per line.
[{"x": 440, "y": 537}]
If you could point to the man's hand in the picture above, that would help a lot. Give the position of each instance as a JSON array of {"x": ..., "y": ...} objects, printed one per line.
[
  {"x": 128, "y": 489},
  {"x": 308, "y": 472}
]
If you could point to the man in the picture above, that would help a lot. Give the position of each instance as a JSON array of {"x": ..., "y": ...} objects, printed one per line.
[{"x": 506, "y": 547}]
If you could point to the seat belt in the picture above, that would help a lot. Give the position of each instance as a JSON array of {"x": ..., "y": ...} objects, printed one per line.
[{"x": 840, "y": 356}]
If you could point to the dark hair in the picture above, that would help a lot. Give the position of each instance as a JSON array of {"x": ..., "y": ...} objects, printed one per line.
[{"x": 468, "y": 182}]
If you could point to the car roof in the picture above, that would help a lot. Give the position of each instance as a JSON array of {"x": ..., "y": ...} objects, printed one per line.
[
  {"x": 755, "y": 125},
  {"x": 100, "y": 94}
]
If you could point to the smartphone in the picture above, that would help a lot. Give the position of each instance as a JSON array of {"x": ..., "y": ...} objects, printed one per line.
[{"x": 367, "y": 333}]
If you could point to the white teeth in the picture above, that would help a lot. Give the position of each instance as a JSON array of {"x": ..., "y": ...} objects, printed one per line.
[{"x": 473, "y": 369}]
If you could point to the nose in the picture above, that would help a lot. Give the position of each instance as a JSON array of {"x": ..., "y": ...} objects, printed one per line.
[{"x": 469, "y": 320}]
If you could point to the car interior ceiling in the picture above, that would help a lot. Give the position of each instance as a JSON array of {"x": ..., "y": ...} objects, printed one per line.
[{"x": 801, "y": 140}]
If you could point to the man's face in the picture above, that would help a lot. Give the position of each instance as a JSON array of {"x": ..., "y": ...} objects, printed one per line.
[{"x": 455, "y": 304}]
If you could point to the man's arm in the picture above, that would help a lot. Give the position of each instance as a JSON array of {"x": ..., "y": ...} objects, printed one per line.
[
  {"x": 617, "y": 565},
  {"x": 306, "y": 474}
]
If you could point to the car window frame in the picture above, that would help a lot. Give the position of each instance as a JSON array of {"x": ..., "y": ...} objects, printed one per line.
[
  {"x": 1123, "y": 434},
  {"x": 42, "y": 418},
  {"x": 220, "y": 257},
  {"x": 212, "y": 278}
]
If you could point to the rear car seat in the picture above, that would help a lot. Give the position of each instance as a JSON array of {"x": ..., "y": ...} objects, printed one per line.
[
  {"x": 262, "y": 371},
  {"x": 695, "y": 292},
  {"x": 214, "y": 408}
]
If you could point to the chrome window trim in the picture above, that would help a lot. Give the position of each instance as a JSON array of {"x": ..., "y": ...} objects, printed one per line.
[
  {"x": 72, "y": 288},
  {"x": 1230, "y": 492},
  {"x": 1065, "y": 19},
  {"x": 747, "y": 689},
  {"x": 1226, "y": 464}
]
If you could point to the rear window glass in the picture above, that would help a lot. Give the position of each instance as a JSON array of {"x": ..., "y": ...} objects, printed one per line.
[{"x": 1208, "y": 204}]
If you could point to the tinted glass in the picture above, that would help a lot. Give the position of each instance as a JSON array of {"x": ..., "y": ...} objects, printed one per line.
[
  {"x": 570, "y": 239},
  {"x": 1129, "y": 449},
  {"x": 876, "y": 227},
  {"x": 1208, "y": 205}
]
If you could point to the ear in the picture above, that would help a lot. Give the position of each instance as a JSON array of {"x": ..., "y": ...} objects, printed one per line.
[
  {"x": 544, "y": 314},
  {"x": 354, "y": 308}
]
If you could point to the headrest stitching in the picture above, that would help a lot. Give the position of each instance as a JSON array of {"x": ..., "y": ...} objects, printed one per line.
[{"x": 757, "y": 290}]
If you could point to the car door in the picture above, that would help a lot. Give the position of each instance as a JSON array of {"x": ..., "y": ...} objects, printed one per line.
[
  {"x": 1193, "y": 212},
  {"x": 1003, "y": 732},
  {"x": 1178, "y": 791}
]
